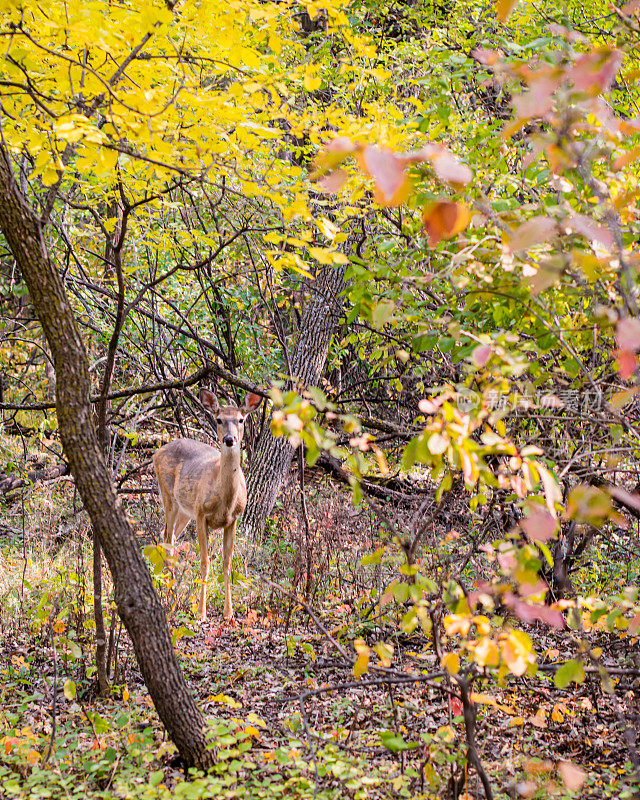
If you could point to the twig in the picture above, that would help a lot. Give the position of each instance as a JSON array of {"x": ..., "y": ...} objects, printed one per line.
[{"x": 54, "y": 699}]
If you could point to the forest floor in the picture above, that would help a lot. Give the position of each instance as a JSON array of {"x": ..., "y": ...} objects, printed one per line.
[{"x": 288, "y": 717}]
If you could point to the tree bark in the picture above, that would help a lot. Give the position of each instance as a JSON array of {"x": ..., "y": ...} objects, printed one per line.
[
  {"x": 137, "y": 602},
  {"x": 272, "y": 457}
]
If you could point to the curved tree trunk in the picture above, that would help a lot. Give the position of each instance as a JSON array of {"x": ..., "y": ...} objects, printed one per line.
[
  {"x": 272, "y": 457},
  {"x": 137, "y": 602}
]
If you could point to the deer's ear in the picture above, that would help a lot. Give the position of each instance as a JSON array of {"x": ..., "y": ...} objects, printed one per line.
[
  {"x": 251, "y": 402},
  {"x": 209, "y": 400}
]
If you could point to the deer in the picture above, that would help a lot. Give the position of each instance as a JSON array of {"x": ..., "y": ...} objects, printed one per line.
[{"x": 206, "y": 484}]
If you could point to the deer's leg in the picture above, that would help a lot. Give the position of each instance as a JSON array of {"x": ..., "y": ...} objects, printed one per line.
[
  {"x": 228, "y": 540},
  {"x": 168, "y": 537},
  {"x": 201, "y": 526},
  {"x": 181, "y": 522},
  {"x": 170, "y": 508}
]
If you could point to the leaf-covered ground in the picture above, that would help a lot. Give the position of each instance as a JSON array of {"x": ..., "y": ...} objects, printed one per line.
[{"x": 288, "y": 716}]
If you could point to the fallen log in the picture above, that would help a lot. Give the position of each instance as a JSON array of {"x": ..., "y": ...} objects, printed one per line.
[{"x": 17, "y": 481}]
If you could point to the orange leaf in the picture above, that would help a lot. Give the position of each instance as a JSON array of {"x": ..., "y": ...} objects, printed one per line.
[
  {"x": 504, "y": 8},
  {"x": 444, "y": 219},
  {"x": 626, "y": 158}
]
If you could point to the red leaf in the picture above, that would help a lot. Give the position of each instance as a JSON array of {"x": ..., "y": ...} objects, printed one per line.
[
  {"x": 334, "y": 154},
  {"x": 535, "y": 231},
  {"x": 625, "y": 497},
  {"x": 388, "y": 172},
  {"x": 425, "y": 153},
  {"x": 585, "y": 226},
  {"x": 572, "y": 36},
  {"x": 447, "y": 167},
  {"x": 482, "y": 354},
  {"x": 333, "y": 182},
  {"x": 456, "y": 707},
  {"x": 539, "y": 525},
  {"x": 628, "y": 333},
  {"x": 450, "y": 170},
  {"x": 596, "y": 70},
  {"x": 627, "y": 363},
  {"x": 534, "y": 612},
  {"x": 538, "y": 101}
]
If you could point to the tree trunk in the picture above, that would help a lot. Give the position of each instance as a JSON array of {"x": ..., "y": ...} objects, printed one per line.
[
  {"x": 272, "y": 457},
  {"x": 137, "y": 602}
]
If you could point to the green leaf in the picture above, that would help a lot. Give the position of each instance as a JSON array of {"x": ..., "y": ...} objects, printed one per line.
[
  {"x": 571, "y": 671},
  {"x": 373, "y": 558},
  {"x": 382, "y": 313},
  {"x": 393, "y": 742},
  {"x": 156, "y": 777},
  {"x": 74, "y": 650}
]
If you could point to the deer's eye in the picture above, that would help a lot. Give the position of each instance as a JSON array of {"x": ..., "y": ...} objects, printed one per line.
[
  {"x": 219, "y": 421},
  {"x": 240, "y": 421}
]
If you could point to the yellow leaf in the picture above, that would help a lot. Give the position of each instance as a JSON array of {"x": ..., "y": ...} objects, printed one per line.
[
  {"x": 446, "y": 733},
  {"x": 125, "y": 694},
  {"x": 362, "y": 662},
  {"x": 484, "y": 699},
  {"x": 311, "y": 80},
  {"x": 107, "y": 159},
  {"x": 517, "y": 652},
  {"x": 385, "y": 652},
  {"x": 275, "y": 43},
  {"x": 451, "y": 662},
  {"x": 328, "y": 228},
  {"x": 381, "y": 459},
  {"x": 324, "y": 256},
  {"x": 228, "y": 701},
  {"x": 49, "y": 176},
  {"x": 485, "y": 653}
]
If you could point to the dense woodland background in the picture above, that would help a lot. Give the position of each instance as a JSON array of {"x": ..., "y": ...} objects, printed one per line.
[{"x": 413, "y": 227}]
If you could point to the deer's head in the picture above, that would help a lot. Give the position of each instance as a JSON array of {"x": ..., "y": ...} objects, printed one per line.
[{"x": 229, "y": 419}]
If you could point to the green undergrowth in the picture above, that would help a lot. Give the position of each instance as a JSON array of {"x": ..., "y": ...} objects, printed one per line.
[{"x": 119, "y": 751}]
